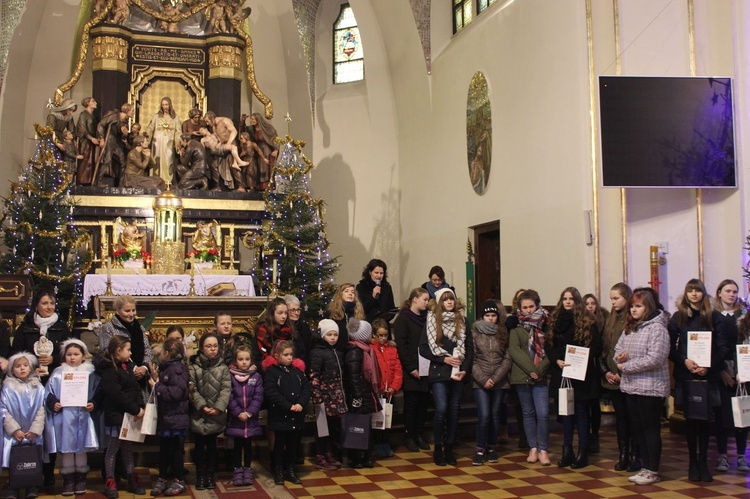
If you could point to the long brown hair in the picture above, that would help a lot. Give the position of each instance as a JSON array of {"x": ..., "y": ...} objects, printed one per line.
[
  {"x": 684, "y": 310},
  {"x": 583, "y": 318},
  {"x": 647, "y": 299},
  {"x": 718, "y": 305},
  {"x": 609, "y": 334},
  {"x": 415, "y": 293},
  {"x": 743, "y": 329},
  {"x": 267, "y": 317},
  {"x": 336, "y": 307},
  {"x": 437, "y": 309}
]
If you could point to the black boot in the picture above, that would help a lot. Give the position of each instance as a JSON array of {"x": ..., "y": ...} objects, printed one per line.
[
  {"x": 582, "y": 460},
  {"x": 622, "y": 464},
  {"x": 200, "y": 480},
  {"x": 594, "y": 444},
  {"x": 290, "y": 475},
  {"x": 703, "y": 468},
  {"x": 694, "y": 474},
  {"x": 635, "y": 463},
  {"x": 437, "y": 455},
  {"x": 278, "y": 476},
  {"x": 210, "y": 481},
  {"x": 568, "y": 457},
  {"x": 411, "y": 445},
  {"x": 450, "y": 458}
]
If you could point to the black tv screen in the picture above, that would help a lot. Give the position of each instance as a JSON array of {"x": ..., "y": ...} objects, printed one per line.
[{"x": 667, "y": 131}]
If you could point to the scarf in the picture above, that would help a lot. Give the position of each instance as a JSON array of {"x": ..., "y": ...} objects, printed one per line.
[
  {"x": 486, "y": 328},
  {"x": 534, "y": 324},
  {"x": 449, "y": 332},
  {"x": 137, "y": 346},
  {"x": 44, "y": 322},
  {"x": 349, "y": 307},
  {"x": 239, "y": 374},
  {"x": 418, "y": 319},
  {"x": 432, "y": 289}
]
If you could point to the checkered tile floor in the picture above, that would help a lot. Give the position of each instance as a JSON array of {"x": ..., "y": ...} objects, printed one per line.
[{"x": 414, "y": 475}]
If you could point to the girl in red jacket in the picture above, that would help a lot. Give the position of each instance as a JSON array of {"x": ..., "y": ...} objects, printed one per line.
[{"x": 391, "y": 377}]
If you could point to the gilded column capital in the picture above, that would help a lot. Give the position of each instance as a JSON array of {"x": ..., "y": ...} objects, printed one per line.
[
  {"x": 225, "y": 61},
  {"x": 110, "y": 53}
]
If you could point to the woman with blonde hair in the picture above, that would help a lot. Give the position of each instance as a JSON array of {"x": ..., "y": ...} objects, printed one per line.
[{"x": 344, "y": 305}]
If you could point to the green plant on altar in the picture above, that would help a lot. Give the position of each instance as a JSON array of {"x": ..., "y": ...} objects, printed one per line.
[
  {"x": 293, "y": 256},
  {"x": 123, "y": 255},
  {"x": 206, "y": 255},
  {"x": 39, "y": 232}
]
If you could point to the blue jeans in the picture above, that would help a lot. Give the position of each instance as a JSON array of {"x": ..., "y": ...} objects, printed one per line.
[
  {"x": 447, "y": 397},
  {"x": 534, "y": 401},
  {"x": 488, "y": 416}
]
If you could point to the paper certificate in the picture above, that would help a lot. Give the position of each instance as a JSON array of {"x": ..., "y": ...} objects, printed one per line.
[
  {"x": 699, "y": 347},
  {"x": 424, "y": 366},
  {"x": 74, "y": 390},
  {"x": 743, "y": 363},
  {"x": 578, "y": 358}
]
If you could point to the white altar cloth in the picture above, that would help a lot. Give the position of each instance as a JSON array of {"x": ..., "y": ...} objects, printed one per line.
[{"x": 162, "y": 284}]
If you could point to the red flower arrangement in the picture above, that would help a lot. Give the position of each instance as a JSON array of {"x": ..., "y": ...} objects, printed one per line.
[
  {"x": 122, "y": 255},
  {"x": 209, "y": 255}
]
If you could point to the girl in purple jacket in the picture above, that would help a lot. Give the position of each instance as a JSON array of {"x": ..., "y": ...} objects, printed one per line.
[
  {"x": 172, "y": 395},
  {"x": 244, "y": 405}
]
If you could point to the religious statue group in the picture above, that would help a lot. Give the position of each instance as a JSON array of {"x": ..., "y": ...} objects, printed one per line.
[
  {"x": 202, "y": 152},
  {"x": 212, "y": 16}
]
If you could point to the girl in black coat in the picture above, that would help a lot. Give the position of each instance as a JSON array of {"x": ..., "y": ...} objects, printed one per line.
[
  {"x": 572, "y": 324},
  {"x": 696, "y": 314},
  {"x": 286, "y": 392},
  {"x": 359, "y": 382},
  {"x": 407, "y": 331},
  {"x": 120, "y": 393},
  {"x": 41, "y": 320},
  {"x": 173, "y": 396},
  {"x": 375, "y": 291}
]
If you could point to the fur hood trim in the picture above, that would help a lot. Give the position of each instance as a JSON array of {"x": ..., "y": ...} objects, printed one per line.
[{"x": 269, "y": 362}]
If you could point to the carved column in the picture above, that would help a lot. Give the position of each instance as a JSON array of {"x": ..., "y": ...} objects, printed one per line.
[
  {"x": 225, "y": 53},
  {"x": 111, "y": 77}
]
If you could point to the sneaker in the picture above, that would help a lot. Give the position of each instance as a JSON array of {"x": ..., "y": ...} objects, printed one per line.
[
  {"x": 248, "y": 477},
  {"x": 742, "y": 464},
  {"x": 32, "y": 493},
  {"x": 321, "y": 463},
  {"x": 177, "y": 488},
  {"x": 159, "y": 488},
  {"x": 479, "y": 459},
  {"x": 722, "y": 465},
  {"x": 492, "y": 456},
  {"x": 647, "y": 478},
  {"x": 635, "y": 477}
]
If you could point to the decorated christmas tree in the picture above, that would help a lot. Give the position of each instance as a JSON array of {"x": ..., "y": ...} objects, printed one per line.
[
  {"x": 295, "y": 247},
  {"x": 38, "y": 230}
]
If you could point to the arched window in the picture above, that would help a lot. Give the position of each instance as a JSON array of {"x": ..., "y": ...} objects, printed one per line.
[{"x": 348, "y": 58}]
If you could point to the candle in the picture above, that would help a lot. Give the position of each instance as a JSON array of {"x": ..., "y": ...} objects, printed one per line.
[
  {"x": 275, "y": 271},
  {"x": 109, "y": 269},
  {"x": 192, "y": 265}
]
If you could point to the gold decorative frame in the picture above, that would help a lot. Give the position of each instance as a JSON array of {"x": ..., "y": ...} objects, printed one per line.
[{"x": 143, "y": 74}]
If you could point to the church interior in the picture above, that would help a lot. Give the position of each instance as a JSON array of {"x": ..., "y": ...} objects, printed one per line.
[{"x": 394, "y": 156}]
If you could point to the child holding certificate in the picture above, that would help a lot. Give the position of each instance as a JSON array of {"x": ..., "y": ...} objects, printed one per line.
[
  {"x": 22, "y": 401},
  {"x": 572, "y": 324},
  {"x": 69, "y": 430},
  {"x": 698, "y": 347}
]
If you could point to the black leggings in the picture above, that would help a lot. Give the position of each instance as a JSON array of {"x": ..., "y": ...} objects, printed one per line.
[
  {"x": 242, "y": 445},
  {"x": 110, "y": 456},
  {"x": 645, "y": 413},
  {"x": 171, "y": 455},
  {"x": 415, "y": 412},
  {"x": 285, "y": 449},
  {"x": 697, "y": 439},
  {"x": 623, "y": 422},
  {"x": 204, "y": 453}
]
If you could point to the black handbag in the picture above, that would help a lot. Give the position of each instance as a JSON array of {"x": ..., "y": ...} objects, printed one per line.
[
  {"x": 25, "y": 466},
  {"x": 355, "y": 431},
  {"x": 696, "y": 400},
  {"x": 439, "y": 371}
]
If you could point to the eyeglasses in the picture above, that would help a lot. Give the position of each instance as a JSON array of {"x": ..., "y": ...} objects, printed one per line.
[{"x": 295, "y": 310}]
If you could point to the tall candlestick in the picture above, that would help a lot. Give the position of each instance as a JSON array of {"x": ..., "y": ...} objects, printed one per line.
[
  {"x": 275, "y": 271},
  {"x": 109, "y": 268}
]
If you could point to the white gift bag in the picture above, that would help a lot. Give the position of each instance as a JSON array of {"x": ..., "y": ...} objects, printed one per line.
[
  {"x": 741, "y": 407},
  {"x": 131, "y": 429},
  {"x": 378, "y": 418},
  {"x": 321, "y": 421},
  {"x": 566, "y": 398},
  {"x": 388, "y": 413},
  {"x": 150, "y": 417}
]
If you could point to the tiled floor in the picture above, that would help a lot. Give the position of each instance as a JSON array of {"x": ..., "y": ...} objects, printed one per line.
[{"x": 414, "y": 475}]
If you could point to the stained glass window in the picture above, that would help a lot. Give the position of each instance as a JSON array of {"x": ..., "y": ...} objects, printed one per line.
[
  {"x": 483, "y": 4},
  {"x": 348, "y": 58},
  {"x": 462, "y": 14}
]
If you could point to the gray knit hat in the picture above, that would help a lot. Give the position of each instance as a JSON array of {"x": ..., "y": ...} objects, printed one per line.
[
  {"x": 359, "y": 330},
  {"x": 326, "y": 326}
]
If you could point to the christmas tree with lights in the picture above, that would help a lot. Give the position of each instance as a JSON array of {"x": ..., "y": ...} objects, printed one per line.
[
  {"x": 295, "y": 247},
  {"x": 38, "y": 230}
]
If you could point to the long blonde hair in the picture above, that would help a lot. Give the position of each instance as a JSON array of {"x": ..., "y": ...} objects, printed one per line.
[{"x": 336, "y": 307}]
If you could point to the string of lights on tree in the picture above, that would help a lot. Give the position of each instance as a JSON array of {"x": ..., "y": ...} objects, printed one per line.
[
  {"x": 292, "y": 253},
  {"x": 38, "y": 229}
]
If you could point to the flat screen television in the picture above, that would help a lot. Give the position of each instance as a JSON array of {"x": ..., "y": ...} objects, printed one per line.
[{"x": 667, "y": 131}]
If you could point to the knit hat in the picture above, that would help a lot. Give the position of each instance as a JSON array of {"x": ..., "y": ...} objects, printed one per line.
[
  {"x": 440, "y": 292},
  {"x": 359, "y": 330},
  {"x": 489, "y": 307},
  {"x": 30, "y": 357},
  {"x": 327, "y": 325}
]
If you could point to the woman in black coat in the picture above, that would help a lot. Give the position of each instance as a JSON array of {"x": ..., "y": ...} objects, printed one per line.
[
  {"x": 41, "y": 320},
  {"x": 407, "y": 331},
  {"x": 572, "y": 324},
  {"x": 375, "y": 291},
  {"x": 343, "y": 306}
]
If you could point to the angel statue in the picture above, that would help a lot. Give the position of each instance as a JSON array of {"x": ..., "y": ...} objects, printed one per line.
[
  {"x": 206, "y": 236},
  {"x": 128, "y": 236}
]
